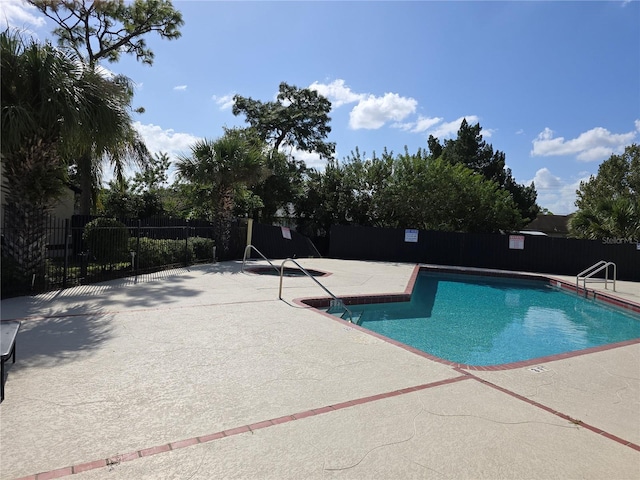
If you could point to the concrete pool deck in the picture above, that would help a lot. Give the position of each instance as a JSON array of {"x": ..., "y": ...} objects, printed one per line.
[{"x": 203, "y": 373}]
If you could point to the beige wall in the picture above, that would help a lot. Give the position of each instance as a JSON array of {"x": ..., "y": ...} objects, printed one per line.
[{"x": 63, "y": 208}]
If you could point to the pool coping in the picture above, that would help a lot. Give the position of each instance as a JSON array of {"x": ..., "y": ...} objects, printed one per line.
[{"x": 320, "y": 302}]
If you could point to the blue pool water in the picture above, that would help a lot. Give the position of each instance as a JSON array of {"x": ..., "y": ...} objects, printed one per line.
[{"x": 490, "y": 321}]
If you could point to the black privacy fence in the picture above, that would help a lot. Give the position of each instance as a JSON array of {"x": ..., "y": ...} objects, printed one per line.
[
  {"x": 84, "y": 250},
  {"x": 541, "y": 254},
  {"x": 281, "y": 242}
]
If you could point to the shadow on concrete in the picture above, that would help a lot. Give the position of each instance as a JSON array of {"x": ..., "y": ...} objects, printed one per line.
[
  {"x": 48, "y": 342},
  {"x": 151, "y": 290},
  {"x": 63, "y": 325}
]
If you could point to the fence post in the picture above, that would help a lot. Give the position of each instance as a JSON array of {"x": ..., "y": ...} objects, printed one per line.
[
  {"x": 137, "y": 262},
  {"x": 249, "y": 231},
  {"x": 186, "y": 246},
  {"x": 67, "y": 235}
]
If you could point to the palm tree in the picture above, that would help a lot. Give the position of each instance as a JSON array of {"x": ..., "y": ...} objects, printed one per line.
[
  {"x": 99, "y": 31},
  {"x": 52, "y": 105},
  {"x": 217, "y": 170},
  {"x": 607, "y": 218},
  {"x": 112, "y": 140}
]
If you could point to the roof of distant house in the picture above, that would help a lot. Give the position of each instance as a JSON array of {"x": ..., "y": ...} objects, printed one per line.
[{"x": 558, "y": 224}]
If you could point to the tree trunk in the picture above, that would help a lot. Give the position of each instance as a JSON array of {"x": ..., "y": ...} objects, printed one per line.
[
  {"x": 222, "y": 223},
  {"x": 85, "y": 178},
  {"x": 34, "y": 177},
  {"x": 25, "y": 240}
]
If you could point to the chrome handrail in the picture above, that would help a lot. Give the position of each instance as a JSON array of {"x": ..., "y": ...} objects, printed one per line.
[
  {"x": 595, "y": 265},
  {"x": 594, "y": 269},
  {"x": 247, "y": 250},
  {"x": 340, "y": 302}
]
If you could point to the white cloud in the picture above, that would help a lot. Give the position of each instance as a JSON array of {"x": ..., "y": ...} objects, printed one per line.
[
  {"x": 593, "y": 145},
  {"x": 312, "y": 160},
  {"x": 20, "y": 15},
  {"x": 422, "y": 124},
  {"x": 337, "y": 92},
  {"x": 167, "y": 141},
  {"x": 520, "y": 132},
  {"x": 225, "y": 102},
  {"x": 450, "y": 129},
  {"x": 488, "y": 132},
  {"x": 159, "y": 140},
  {"x": 180, "y": 88},
  {"x": 425, "y": 123},
  {"x": 555, "y": 194},
  {"x": 544, "y": 179},
  {"x": 373, "y": 112}
]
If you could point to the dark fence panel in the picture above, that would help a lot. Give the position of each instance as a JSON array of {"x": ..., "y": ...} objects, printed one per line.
[
  {"x": 31, "y": 259},
  {"x": 271, "y": 241},
  {"x": 562, "y": 256},
  {"x": 140, "y": 246}
]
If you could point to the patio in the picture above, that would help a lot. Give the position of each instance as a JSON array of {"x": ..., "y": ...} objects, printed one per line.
[{"x": 204, "y": 373}]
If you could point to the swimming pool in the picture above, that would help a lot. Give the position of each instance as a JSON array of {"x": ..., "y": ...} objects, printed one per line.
[{"x": 481, "y": 321}]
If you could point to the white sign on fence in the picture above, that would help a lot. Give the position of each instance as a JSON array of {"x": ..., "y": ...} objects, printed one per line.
[
  {"x": 516, "y": 242},
  {"x": 286, "y": 233},
  {"x": 411, "y": 235}
]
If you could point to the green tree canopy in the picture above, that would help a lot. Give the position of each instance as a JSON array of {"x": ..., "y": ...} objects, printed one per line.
[
  {"x": 283, "y": 186},
  {"x": 102, "y": 30},
  {"x": 98, "y": 30},
  {"x": 609, "y": 203},
  {"x": 433, "y": 194},
  {"x": 116, "y": 142},
  {"x": 405, "y": 191},
  {"x": 216, "y": 171},
  {"x": 48, "y": 93},
  {"x": 298, "y": 118},
  {"x": 469, "y": 149},
  {"x": 51, "y": 105}
]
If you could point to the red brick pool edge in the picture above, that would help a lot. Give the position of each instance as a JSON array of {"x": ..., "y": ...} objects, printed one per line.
[
  {"x": 320, "y": 302},
  {"x": 146, "y": 452}
]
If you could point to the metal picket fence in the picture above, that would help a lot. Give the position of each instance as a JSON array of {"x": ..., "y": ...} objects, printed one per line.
[{"x": 78, "y": 254}]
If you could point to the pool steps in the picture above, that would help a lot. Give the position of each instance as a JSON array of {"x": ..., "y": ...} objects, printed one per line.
[
  {"x": 335, "y": 302},
  {"x": 356, "y": 317},
  {"x": 587, "y": 275}
]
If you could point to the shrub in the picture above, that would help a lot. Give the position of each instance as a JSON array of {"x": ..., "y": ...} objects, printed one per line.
[
  {"x": 202, "y": 248},
  {"x": 107, "y": 240},
  {"x": 157, "y": 252}
]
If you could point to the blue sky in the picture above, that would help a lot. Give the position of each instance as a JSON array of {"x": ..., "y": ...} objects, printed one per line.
[{"x": 555, "y": 85}]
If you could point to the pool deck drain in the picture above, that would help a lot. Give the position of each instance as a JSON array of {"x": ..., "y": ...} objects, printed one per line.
[
  {"x": 200, "y": 373},
  {"x": 539, "y": 369}
]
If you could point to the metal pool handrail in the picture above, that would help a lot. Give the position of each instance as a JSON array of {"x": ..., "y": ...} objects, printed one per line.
[
  {"x": 248, "y": 249},
  {"x": 338, "y": 301},
  {"x": 592, "y": 270}
]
